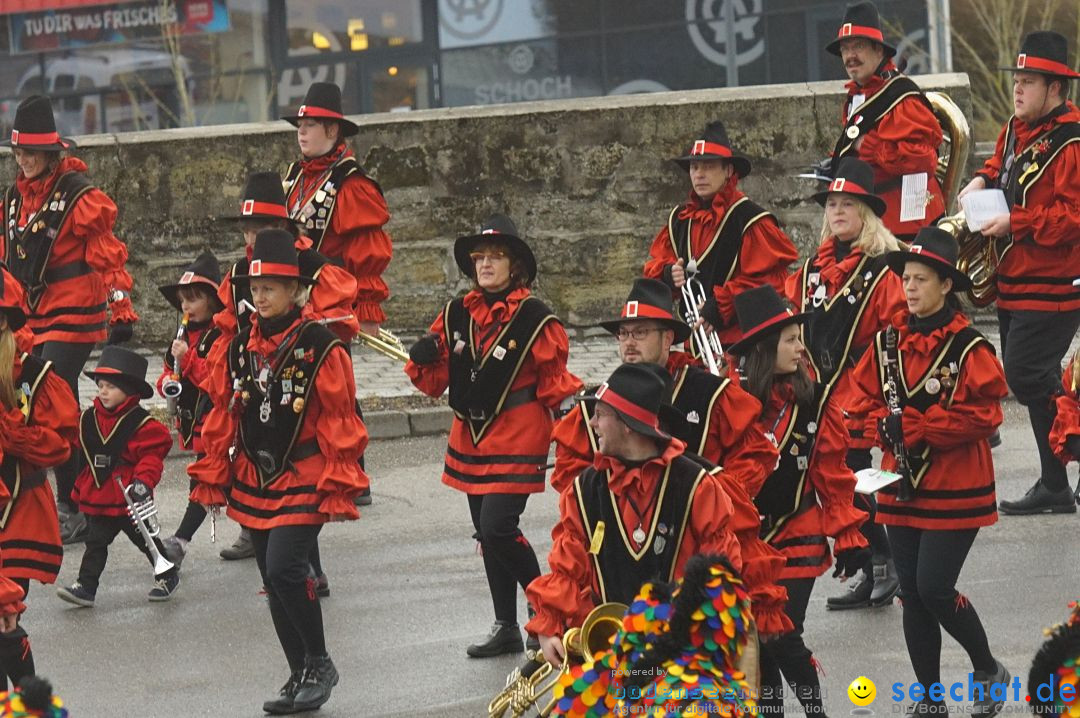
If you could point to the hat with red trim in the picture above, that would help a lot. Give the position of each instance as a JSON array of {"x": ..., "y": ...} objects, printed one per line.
[
  {"x": 714, "y": 144},
  {"x": 34, "y": 127},
  {"x": 498, "y": 229},
  {"x": 274, "y": 256},
  {"x": 204, "y": 271},
  {"x": 649, "y": 299},
  {"x": 935, "y": 248},
  {"x": 856, "y": 178},
  {"x": 124, "y": 368},
  {"x": 263, "y": 198},
  {"x": 1045, "y": 52},
  {"x": 860, "y": 20},
  {"x": 635, "y": 392},
  {"x": 323, "y": 102},
  {"x": 762, "y": 313},
  {"x": 12, "y": 300}
]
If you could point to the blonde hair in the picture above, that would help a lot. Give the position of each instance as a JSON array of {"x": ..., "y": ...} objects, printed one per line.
[
  {"x": 874, "y": 239},
  {"x": 8, "y": 397}
]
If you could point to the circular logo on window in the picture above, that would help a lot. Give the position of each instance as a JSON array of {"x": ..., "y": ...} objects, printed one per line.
[
  {"x": 521, "y": 59},
  {"x": 469, "y": 19},
  {"x": 707, "y": 24}
]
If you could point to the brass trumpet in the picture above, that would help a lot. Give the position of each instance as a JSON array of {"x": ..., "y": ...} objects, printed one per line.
[
  {"x": 705, "y": 344},
  {"x": 386, "y": 344},
  {"x": 525, "y": 686}
]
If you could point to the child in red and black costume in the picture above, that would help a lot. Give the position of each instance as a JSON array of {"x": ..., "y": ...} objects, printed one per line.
[
  {"x": 807, "y": 499},
  {"x": 1065, "y": 434},
  {"x": 186, "y": 370},
  {"x": 119, "y": 441},
  {"x": 38, "y": 424},
  {"x": 57, "y": 239}
]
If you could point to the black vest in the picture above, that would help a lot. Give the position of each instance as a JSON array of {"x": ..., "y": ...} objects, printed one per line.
[
  {"x": 102, "y": 453},
  {"x": 30, "y": 379},
  {"x": 1026, "y": 169},
  {"x": 314, "y": 216},
  {"x": 620, "y": 570},
  {"x": 193, "y": 403},
  {"x": 694, "y": 394},
  {"x": 870, "y": 113},
  {"x": 943, "y": 376},
  {"x": 719, "y": 260},
  {"x": 787, "y": 493},
  {"x": 270, "y": 422},
  {"x": 480, "y": 384},
  {"x": 28, "y": 250}
]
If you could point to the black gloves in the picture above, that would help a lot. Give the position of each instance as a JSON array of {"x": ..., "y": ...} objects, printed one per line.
[
  {"x": 850, "y": 561},
  {"x": 138, "y": 490},
  {"x": 711, "y": 313},
  {"x": 1072, "y": 443},
  {"x": 120, "y": 333},
  {"x": 425, "y": 350},
  {"x": 891, "y": 429}
]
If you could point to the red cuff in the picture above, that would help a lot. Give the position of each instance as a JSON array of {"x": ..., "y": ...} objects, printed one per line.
[
  {"x": 337, "y": 505},
  {"x": 914, "y": 422},
  {"x": 207, "y": 495},
  {"x": 122, "y": 312}
]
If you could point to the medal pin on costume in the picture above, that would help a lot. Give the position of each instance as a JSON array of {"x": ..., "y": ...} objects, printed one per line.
[{"x": 639, "y": 535}]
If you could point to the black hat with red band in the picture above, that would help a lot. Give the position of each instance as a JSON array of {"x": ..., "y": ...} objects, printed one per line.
[
  {"x": 12, "y": 300},
  {"x": 635, "y": 392},
  {"x": 203, "y": 272},
  {"x": 1045, "y": 52},
  {"x": 762, "y": 313},
  {"x": 714, "y": 145},
  {"x": 860, "y": 20},
  {"x": 273, "y": 256},
  {"x": 263, "y": 199},
  {"x": 935, "y": 248},
  {"x": 650, "y": 299},
  {"x": 856, "y": 178},
  {"x": 34, "y": 127},
  {"x": 124, "y": 369},
  {"x": 498, "y": 229},
  {"x": 323, "y": 102}
]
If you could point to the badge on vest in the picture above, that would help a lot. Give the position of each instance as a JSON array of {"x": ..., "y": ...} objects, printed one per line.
[
  {"x": 101, "y": 461},
  {"x": 499, "y": 353},
  {"x": 597, "y": 539},
  {"x": 693, "y": 418}
]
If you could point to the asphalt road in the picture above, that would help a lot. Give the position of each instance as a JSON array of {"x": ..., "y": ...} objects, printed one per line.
[{"x": 408, "y": 594}]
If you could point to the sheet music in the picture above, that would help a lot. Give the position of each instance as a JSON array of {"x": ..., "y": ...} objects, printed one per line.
[
  {"x": 867, "y": 481},
  {"x": 913, "y": 198},
  {"x": 981, "y": 205}
]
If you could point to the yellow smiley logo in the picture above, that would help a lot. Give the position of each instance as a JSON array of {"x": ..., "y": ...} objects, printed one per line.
[{"x": 862, "y": 691}]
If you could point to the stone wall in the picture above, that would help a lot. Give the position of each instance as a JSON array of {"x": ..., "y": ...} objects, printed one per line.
[{"x": 589, "y": 183}]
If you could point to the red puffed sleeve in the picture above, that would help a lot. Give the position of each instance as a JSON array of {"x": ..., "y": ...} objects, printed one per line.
[
  {"x": 1067, "y": 420},
  {"x": 711, "y": 526},
  {"x": 975, "y": 410},
  {"x": 744, "y": 451},
  {"x": 573, "y": 452},
  {"x": 92, "y": 221},
  {"x": 212, "y": 473},
  {"x": 661, "y": 255},
  {"x": 904, "y": 142},
  {"x": 1054, "y": 223},
  {"x": 867, "y": 405},
  {"x": 146, "y": 452},
  {"x": 366, "y": 248},
  {"x": 53, "y": 428},
  {"x": 341, "y": 435},
  {"x": 549, "y": 353},
  {"x": 432, "y": 379},
  {"x": 764, "y": 258},
  {"x": 332, "y": 298},
  {"x": 991, "y": 169},
  {"x": 834, "y": 482},
  {"x": 793, "y": 287},
  {"x": 11, "y": 593}
]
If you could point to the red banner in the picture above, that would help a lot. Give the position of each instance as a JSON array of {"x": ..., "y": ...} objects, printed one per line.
[{"x": 8, "y": 7}]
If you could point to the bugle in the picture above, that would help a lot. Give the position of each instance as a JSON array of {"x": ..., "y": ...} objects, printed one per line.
[
  {"x": 704, "y": 343},
  {"x": 386, "y": 344},
  {"x": 171, "y": 387},
  {"x": 143, "y": 513}
]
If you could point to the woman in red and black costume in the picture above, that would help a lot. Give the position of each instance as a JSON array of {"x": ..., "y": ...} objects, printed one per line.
[
  {"x": 335, "y": 204},
  {"x": 735, "y": 243},
  {"x": 282, "y": 444},
  {"x": 38, "y": 423},
  {"x": 58, "y": 241},
  {"x": 849, "y": 294},
  {"x": 949, "y": 386},
  {"x": 1065, "y": 433},
  {"x": 502, "y": 353},
  {"x": 808, "y": 498}
]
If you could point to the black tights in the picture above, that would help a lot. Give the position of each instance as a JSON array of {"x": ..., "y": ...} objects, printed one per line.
[
  {"x": 509, "y": 559},
  {"x": 68, "y": 360},
  {"x": 858, "y": 459},
  {"x": 788, "y": 655},
  {"x": 194, "y": 516},
  {"x": 928, "y": 563},
  {"x": 282, "y": 555},
  {"x": 16, "y": 656}
]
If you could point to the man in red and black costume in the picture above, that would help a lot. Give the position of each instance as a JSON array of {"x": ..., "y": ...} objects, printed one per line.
[
  {"x": 731, "y": 242},
  {"x": 887, "y": 121},
  {"x": 57, "y": 239},
  {"x": 1036, "y": 163}
]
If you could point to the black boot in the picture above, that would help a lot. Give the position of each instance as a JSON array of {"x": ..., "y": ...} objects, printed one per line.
[
  {"x": 857, "y": 596},
  {"x": 283, "y": 704},
  {"x": 1040, "y": 500},
  {"x": 320, "y": 677},
  {"x": 886, "y": 583},
  {"x": 504, "y": 638}
]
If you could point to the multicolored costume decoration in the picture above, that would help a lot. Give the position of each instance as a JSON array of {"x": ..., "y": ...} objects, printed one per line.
[
  {"x": 33, "y": 699},
  {"x": 1055, "y": 665}
]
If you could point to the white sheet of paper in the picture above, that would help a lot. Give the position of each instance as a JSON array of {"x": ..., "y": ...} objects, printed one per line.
[
  {"x": 867, "y": 481},
  {"x": 913, "y": 198},
  {"x": 982, "y": 205}
]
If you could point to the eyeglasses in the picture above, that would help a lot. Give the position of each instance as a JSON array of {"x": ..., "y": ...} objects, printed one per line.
[
  {"x": 492, "y": 256},
  {"x": 638, "y": 333}
]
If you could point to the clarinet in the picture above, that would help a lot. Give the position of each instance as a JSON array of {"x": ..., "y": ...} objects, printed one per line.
[{"x": 905, "y": 490}]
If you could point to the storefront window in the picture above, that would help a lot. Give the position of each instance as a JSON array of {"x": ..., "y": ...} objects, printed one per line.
[{"x": 327, "y": 26}]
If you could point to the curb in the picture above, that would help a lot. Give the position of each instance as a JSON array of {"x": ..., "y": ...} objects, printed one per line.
[{"x": 402, "y": 424}]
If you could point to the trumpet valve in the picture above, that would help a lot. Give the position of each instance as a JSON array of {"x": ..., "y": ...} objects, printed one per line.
[{"x": 691, "y": 267}]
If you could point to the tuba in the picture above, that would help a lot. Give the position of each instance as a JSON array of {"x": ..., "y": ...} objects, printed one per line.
[{"x": 525, "y": 686}]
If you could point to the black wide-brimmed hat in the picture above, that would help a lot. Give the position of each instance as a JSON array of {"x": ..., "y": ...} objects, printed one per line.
[
  {"x": 34, "y": 127},
  {"x": 935, "y": 248},
  {"x": 1045, "y": 52},
  {"x": 860, "y": 20},
  {"x": 762, "y": 313},
  {"x": 498, "y": 229},
  {"x": 635, "y": 392},
  {"x": 323, "y": 102},
  {"x": 204, "y": 271},
  {"x": 274, "y": 256},
  {"x": 650, "y": 299},
  {"x": 263, "y": 198},
  {"x": 714, "y": 145},
  {"x": 124, "y": 368},
  {"x": 12, "y": 300},
  {"x": 856, "y": 178}
]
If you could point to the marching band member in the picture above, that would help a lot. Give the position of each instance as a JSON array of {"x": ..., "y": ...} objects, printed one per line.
[
  {"x": 887, "y": 120},
  {"x": 502, "y": 353},
  {"x": 735, "y": 243},
  {"x": 848, "y": 294},
  {"x": 809, "y": 495},
  {"x": 948, "y": 391},
  {"x": 68, "y": 259},
  {"x": 1065, "y": 434},
  {"x": 119, "y": 440},
  {"x": 1036, "y": 162},
  {"x": 186, "y": 362},
  {"x": 38, "y": 420},
  {"x": 282, "y": 444}
]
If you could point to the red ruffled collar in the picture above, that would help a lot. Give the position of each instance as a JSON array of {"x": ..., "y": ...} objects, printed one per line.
[
  {"x": 926, "y": 344},
  {"x": 640, "y": 479},
  {"x": 116, "y": 411},
  {"x": 876, "y": 81},
  {"x": 727, "y": 196},
  {"x": 484, "y": 314},
  {"x": 34, "y": 191},
  {"x": 317, "y": 165},
  {"x": 833, "y": 272}
]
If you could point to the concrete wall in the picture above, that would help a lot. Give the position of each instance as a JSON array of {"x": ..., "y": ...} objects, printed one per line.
[{"x": 589, "y": 183}]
